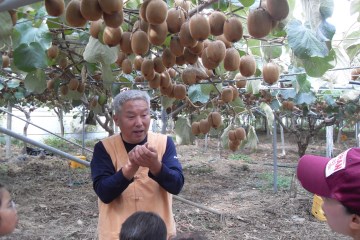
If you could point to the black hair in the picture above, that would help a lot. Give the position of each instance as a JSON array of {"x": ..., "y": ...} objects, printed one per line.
[
  {"x": 143, "y": 226},
  {"x": 350, "y": 210}
]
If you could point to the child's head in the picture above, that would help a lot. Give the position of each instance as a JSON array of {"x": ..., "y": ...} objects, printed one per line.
[
  {"x": 143, "y": 226},
  {"x": 8, "y": 215},
  {"x": 337, "y": 180}
]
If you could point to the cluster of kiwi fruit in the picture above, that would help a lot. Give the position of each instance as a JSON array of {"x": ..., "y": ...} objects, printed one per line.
[
  {"x": 213, "y": 120},
  {"x": 235, "y": 137},
  {"x": 229, "y": 94},
  {"x": 263, "y": 19}
]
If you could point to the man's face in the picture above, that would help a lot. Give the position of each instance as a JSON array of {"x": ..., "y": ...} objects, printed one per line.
[
  {"x": 8, "y": 214},
  {"x": 134, "y": 120},
  {"x": 336, "y": 216}
]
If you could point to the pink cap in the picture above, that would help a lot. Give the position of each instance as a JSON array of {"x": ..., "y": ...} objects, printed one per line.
[{"x": 337, "y": 178}]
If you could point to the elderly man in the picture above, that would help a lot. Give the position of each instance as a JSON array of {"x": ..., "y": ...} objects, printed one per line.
[{"x": 135, "y": 170}]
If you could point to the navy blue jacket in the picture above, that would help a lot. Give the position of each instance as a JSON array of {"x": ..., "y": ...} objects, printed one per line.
[{"x": 109, "y": 184}]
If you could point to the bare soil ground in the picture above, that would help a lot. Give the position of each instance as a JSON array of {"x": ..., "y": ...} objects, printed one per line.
[{"x": 234, "y": 192}]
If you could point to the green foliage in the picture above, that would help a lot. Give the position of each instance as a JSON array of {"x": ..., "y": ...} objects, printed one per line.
[
  {"x": 35, "y": 81},
  {"x": 29, "y": 57},
  {"x": 5, "y": 29},
  {"x": 183, "y": 131},
  {"x": 283, "y": 181},
  {"x": 56, "y": 142},
  {"x": 241, "y": 157}
]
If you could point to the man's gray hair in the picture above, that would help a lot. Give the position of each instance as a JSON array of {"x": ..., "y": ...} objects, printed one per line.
[{"x": 129, "y": 95}]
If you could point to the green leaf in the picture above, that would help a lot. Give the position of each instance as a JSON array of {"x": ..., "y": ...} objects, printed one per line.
[
  {"x": 303, "y": 41},
  {"x": 326, "y": 31},
  {"x": 351, "y": 43},
  {"x": 19, "y": 95},
  {"x": 305, "y": 98},
  {"x": 251, "y": 140},
  {"x": 167, "y": 102},
  {"x": 107, "y": 76},
  {"x": 270, "y": 51},
  {"x": 317, "y": 66},
  {"x": 183, "y": 131},
  {"x": 269, "y": 114},
  {"x": 224, "y": 138},
  {"x": 326, "y": 8},
  {"x": 238, "y": 105},
  {"x": 95, "y": 52},
  {"x": 5, "y": 29},
  {"x": 355, "y": 8},
  {"x": 28, "y": 57},
  {"x": 253, "y": 86},
  {"x": 254, "y": 45},
  {"x": 288, "y": 93},
  {"x": 221, "y": 5},
  {"x": 13, "y": 83},
  {"x": 35, "y": 81},
  {"x": 133, "y": 4},
  {"x": 247, "y": 3},
  {"x": 302, "y": 83},
  {"x": 29, "y": 34},
  {"x": 1, "y": 86},
  {"x": 196, "y": 93}
]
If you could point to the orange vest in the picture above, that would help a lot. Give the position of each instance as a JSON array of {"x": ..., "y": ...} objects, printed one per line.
[{"x": 143, "y": 194}]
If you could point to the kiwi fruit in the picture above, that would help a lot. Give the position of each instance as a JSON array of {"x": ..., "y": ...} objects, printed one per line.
[
  {"x": 216, "y": 21},
  {"x": 114, "y": 20},
  {"x": 188, "y": 76},
  {"x": 81, "y": 87},
  {"x": 199, "y": 27},
  {"x": 186, "y": 39},
  {"x": 197, "y": 49},
  {"x": 125, "y": 43},
  {"x": 233, "y": 146},
  {"x": 142, "y": 25},
  {"x": 126, "y": 66},
  {"x": 231, "y": 60},
  {"x": 271, "y": 73},
  {"x": 156, "y": 12},
  {"x": 355, "y": 73},
  {"x": 259, "y": 23},
  {"x": 167, "y": 91},
  {"x": 235, "y": 92},
  {"x": 209, "y": 64},
  {"x": 240, "y": 80},
  {"x": 216, "y": 51},
  {"x": 64, "y": 89},
  {"x": 98, "y": 75},
  {"x": 158, "y": 65},
  {"x": 172, "y": 72},
  {"x": 204, "y": 126},
  {"x": 233, "y": 29},
  {"x": 157, "y": 33},
  {"x": 222, "y": 38},
  {"x": 227, "y": 95},
  {"x": 110, "y": 6},
  {"x": 91, "y": 10},
  {"x": 73, "y": 15},
  {"x": 180, "y": 60},
  {"x": 95, "y": 28},
  {"x": 278, "y": 9},
  {"x": 190, "y": 58},
  {"x": 176, "y": 17},
  {"x": 240, "y": 133},
  {"x": 53, "y": 52},
  {"x": 165, "y": 80},
  {"x": 112, "y": 36},
  {"x": 13, "y": 15},
  {"x": 93, "y": 102},
  {"x": 175, "y": 46},
  {"x": 155, "y": 82},
  {"x": 214, "y": 119},
  {"x": 120, "y": 58},
  {"x": 231, "y": 135},
  {"x": 147, "y": 67},
  {"x": 142, "y": 10},
  {"x": 195, "y": 128},
  {"x": 63, "y": 62},
  {"x": 50, "y": 84},
  {"x": 184, "y": 4},
  {"x": 247, "y": 65},
  {"x": 179, "y": 91},
  {"x": 138, "y": 60},
  {"x": 55, "y": 7},
  {"x": 139, "y": 79},
  {"x": 73, "y": 84},
  {"x": 168, "y": 58},
  {"x": 139, "y": 43}
]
